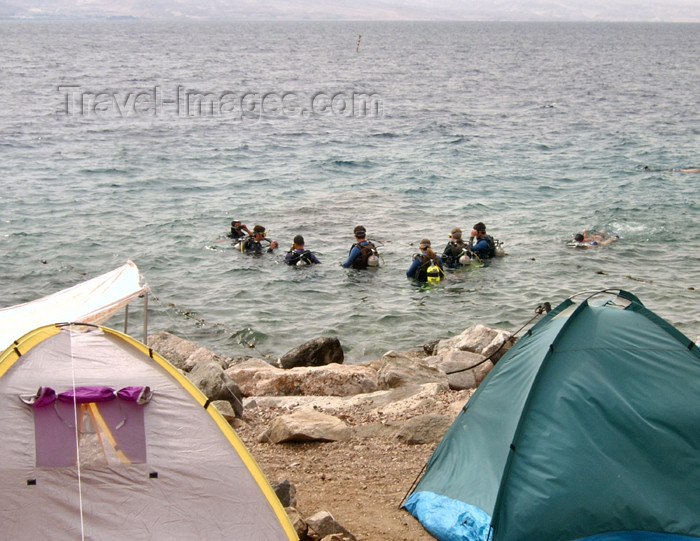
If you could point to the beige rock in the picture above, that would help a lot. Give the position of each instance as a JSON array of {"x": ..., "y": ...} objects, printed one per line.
[
  {"x": 456, "y": 407},
  {"x": 478, "y": 339},
  {"x": 328, "y": 380},
  {"x": 253, "y": 362},
  {"x": 225, "y": 408},
  {"x": 464, "y": 369},
  {"x": 401, "y": 397},
  {"x": 297, "y": 521},
  {"x": 399, "y": 370},
  {"x": 427, "y": 428},
  {"x": 303, "y": 426},
  {"x": 376, "y": 430},
  {"x": 325, "y": 525},
  {"x": 175, "y": 349},
  {"x": 415, "y": 402},
  {"x": 182, "y": 353}
]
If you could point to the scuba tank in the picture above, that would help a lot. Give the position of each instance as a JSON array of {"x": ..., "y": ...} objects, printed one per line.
[
  {"x": 373, "y": 258},
  {"x": 298, "y": 259},
  {"x": 242, "y": 244},
  {"x": 434, "y": 272},
  {"x": 499, "y": 251}
]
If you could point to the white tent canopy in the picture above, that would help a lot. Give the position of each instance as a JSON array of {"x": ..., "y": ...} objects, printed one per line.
[{"x": 93, "y": 301}]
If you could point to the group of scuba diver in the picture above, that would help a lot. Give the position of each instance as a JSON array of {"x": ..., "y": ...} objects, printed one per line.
[{"x": 426, "y": 266}]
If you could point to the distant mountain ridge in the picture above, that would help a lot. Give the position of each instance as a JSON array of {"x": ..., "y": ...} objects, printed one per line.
[{"x": 361, "y": 10}]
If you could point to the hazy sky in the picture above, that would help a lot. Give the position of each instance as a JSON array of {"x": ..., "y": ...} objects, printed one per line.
[{"x": 504, "y": 10}]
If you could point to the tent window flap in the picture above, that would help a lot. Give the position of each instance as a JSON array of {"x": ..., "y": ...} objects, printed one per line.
[{"x": 95, "y": 424}]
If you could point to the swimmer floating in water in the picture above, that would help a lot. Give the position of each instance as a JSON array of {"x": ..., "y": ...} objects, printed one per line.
[{"x": 593, "y": 240}]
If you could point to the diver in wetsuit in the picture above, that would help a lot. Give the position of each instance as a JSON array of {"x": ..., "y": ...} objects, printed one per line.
[
  {"x": 238, "y": 230},
  {"x": 484, "y": 246},
  {"x": 426, "y": 265},
  {"x": 254, "y": 243},
  {"x": 363, "y": 253},
  {"x": 455, "y": 252},
  {"x": 299, "y": 256}
]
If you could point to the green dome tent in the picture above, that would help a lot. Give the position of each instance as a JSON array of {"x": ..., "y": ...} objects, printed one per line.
[{"x": 588, "y": 428}]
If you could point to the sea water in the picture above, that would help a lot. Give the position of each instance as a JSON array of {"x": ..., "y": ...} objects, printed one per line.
[{"x": 143, "y": 140}]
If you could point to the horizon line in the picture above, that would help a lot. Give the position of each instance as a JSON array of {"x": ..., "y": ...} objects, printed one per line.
[{"x": 127, "y": 18}]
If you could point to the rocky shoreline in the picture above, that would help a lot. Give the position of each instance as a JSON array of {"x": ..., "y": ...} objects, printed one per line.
[{"x": 342, "y": 444}]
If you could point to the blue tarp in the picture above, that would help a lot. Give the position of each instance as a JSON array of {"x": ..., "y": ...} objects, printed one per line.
[{"x": 447, "y": 519}]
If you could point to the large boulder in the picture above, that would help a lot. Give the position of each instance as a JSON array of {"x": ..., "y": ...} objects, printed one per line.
[
  {"x": 316, "y": 352},
  {"x": 391, "y": 401},
  {"x": 398, "y": 370},
  {"x": 182, "y": 353},
  {"x": 304, "y": 426},
  {"x": 328, "y": 380},
  {"x": 216, "y": 385},
  {"x": 464, "y": 369},
  {"x": 420, "y": 399},
  {"x": 175, "y": 349},
  {"x": 478, "y": 339}
]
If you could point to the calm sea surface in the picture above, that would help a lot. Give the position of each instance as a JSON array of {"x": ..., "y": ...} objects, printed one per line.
[{"x": 143, "y": 140}]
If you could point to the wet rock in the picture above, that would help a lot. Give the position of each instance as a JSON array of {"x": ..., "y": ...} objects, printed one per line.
[
  {"x": 429, "y": 347},
  {"x": 316, "y": 352}
]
